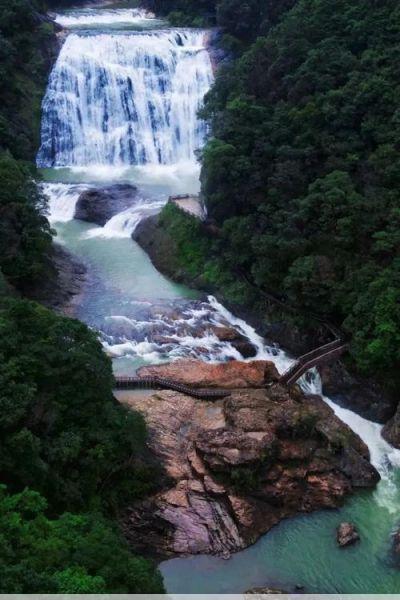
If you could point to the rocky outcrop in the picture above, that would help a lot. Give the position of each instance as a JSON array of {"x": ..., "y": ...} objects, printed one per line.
[
  {"x": 162, "y": 250},
  {"x": 238, "y": 466},
  {"x": 391, "y": 431},
  {"x": 63, "y": 284},
  {"x": 229, "y": 375},
  {"x": 347, "y": 534},
  {"x": 98, "y": 205},
  {"x": 238, "y": 341},
  {"x": 364, "y": 396},
  {"x": 217, "y": 53}
]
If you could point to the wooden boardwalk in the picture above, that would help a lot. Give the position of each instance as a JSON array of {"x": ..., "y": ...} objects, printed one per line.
[
  {"x": 128, "y": 383},
  {"x": 320, "y": 356}
]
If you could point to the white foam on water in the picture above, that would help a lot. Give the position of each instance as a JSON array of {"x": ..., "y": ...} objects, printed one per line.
[
  {"x": 180, "y": 177},
  {"x": 264, "y": 352},
  {"x": 62, "y": 199},
  {"x": 129, "y": 348},
  {"x": 123, "y": 224},
  {"x": 126, "y": 99},
  {"x": 103, "y": 17},
  {"x": 383, "y": 456}
]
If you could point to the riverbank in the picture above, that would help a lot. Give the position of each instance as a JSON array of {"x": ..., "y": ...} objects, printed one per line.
[
  {"x": 238, "y": 466},
  {"x": 365, "y": 396},
  {"x": 62, "y": 288},
  {"x": 142, "y": 319}
]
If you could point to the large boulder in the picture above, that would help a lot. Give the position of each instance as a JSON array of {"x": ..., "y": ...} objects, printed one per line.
[
  {"x": 237, "y": 466},
  {"x": 347, "y": 534},
  {"x": 98, "y": 205},
  {"x": 237, "y": 340},
  {"x": 230, "y": 375}
]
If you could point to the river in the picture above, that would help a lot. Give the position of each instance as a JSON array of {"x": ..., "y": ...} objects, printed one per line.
[{"x": 121, "y": 106}]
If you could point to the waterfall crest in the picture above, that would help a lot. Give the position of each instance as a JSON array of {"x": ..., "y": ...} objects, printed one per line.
[
  {"x": 126, "y": 99},
  {"x": 103, "y": 17}
]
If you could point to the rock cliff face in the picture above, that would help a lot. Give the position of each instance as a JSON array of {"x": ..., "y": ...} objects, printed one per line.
[
  {"x": 238, "y": 466},
  {"x": 391, "y": 431},
  {"x": 161, "y": 249},
  {"x": 63, "y": 284},
  {"x": 362, "y": 395}
]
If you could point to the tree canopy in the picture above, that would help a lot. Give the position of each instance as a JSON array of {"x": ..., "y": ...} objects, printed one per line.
[
  {"x": 71, "y": 457},
  {"x": 74, "y": 554},
  {"x": 301, "y": 171},
  {"x": 306, "y": 125}
]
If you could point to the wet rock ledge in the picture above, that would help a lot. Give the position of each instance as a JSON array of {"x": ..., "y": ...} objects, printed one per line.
[
  {"x": 61, "y": 288},
  {"x": 238, "y": 466},
  {"x": 98, "y": 205}
]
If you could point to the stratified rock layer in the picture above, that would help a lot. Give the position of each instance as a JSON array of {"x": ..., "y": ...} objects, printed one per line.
[{"x": 238, "y": 466}]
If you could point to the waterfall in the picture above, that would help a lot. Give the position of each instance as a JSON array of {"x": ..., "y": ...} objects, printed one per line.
[
  {"x": 126, "y": 99},
  {"x": 104, "y": 17}
]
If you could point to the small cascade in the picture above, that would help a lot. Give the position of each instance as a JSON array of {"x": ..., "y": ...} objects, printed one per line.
[
  {"x": 383, "y": 456},
  {"x": 62, "y": 199},
  {"x": 264, "y": 352},
  {"x": 104, "y": 17},
  {"x": 124, "y": 223},
  {"x": 126, "y": 99}
]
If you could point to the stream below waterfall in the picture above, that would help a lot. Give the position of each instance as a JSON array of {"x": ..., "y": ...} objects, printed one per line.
[{"x": 121, "y": 106}]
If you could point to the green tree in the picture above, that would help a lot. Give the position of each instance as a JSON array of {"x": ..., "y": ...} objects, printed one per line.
[
  {"x": 25, "y": 235},
  {"x": 72, "y": 554},
  {"x": 62, "y": 432}
]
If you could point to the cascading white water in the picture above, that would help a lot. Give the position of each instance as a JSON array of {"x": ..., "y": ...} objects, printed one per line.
[
  {"x": 126, "y": 99},
  {"x": 103, "y": 17},
  {"x": 117, "y": 100},
  {"x": 384, "y": 457},
  {"x": 62, "y": 199}
]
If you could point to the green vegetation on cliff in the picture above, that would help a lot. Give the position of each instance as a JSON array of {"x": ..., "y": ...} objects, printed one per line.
[
  {"x": 71, "y": 554},
  {"x": 301, "y": 175},
  {"x": 65, "y": 445},
  {"x": 25, "y": 236},
  {"x": 71, "y": 457},
  {"x": 241, "y": 20},
  {"x": 27, "y": 47},
  {"x": 61, "y": 430}
]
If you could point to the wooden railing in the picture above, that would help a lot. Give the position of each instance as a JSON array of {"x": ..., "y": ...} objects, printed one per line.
[
  {"x": 168, "y": 384},
  {"x": 320, "y": 356}
]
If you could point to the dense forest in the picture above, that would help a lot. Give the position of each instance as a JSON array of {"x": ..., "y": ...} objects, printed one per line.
[
  {"x": 301, "y": 181},
  {"x": 301, "y": 173},
  {"x": 70, "y": 456}
]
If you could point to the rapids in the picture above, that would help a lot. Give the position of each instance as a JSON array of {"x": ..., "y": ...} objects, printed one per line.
[{"x": 122, "y": 106}]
